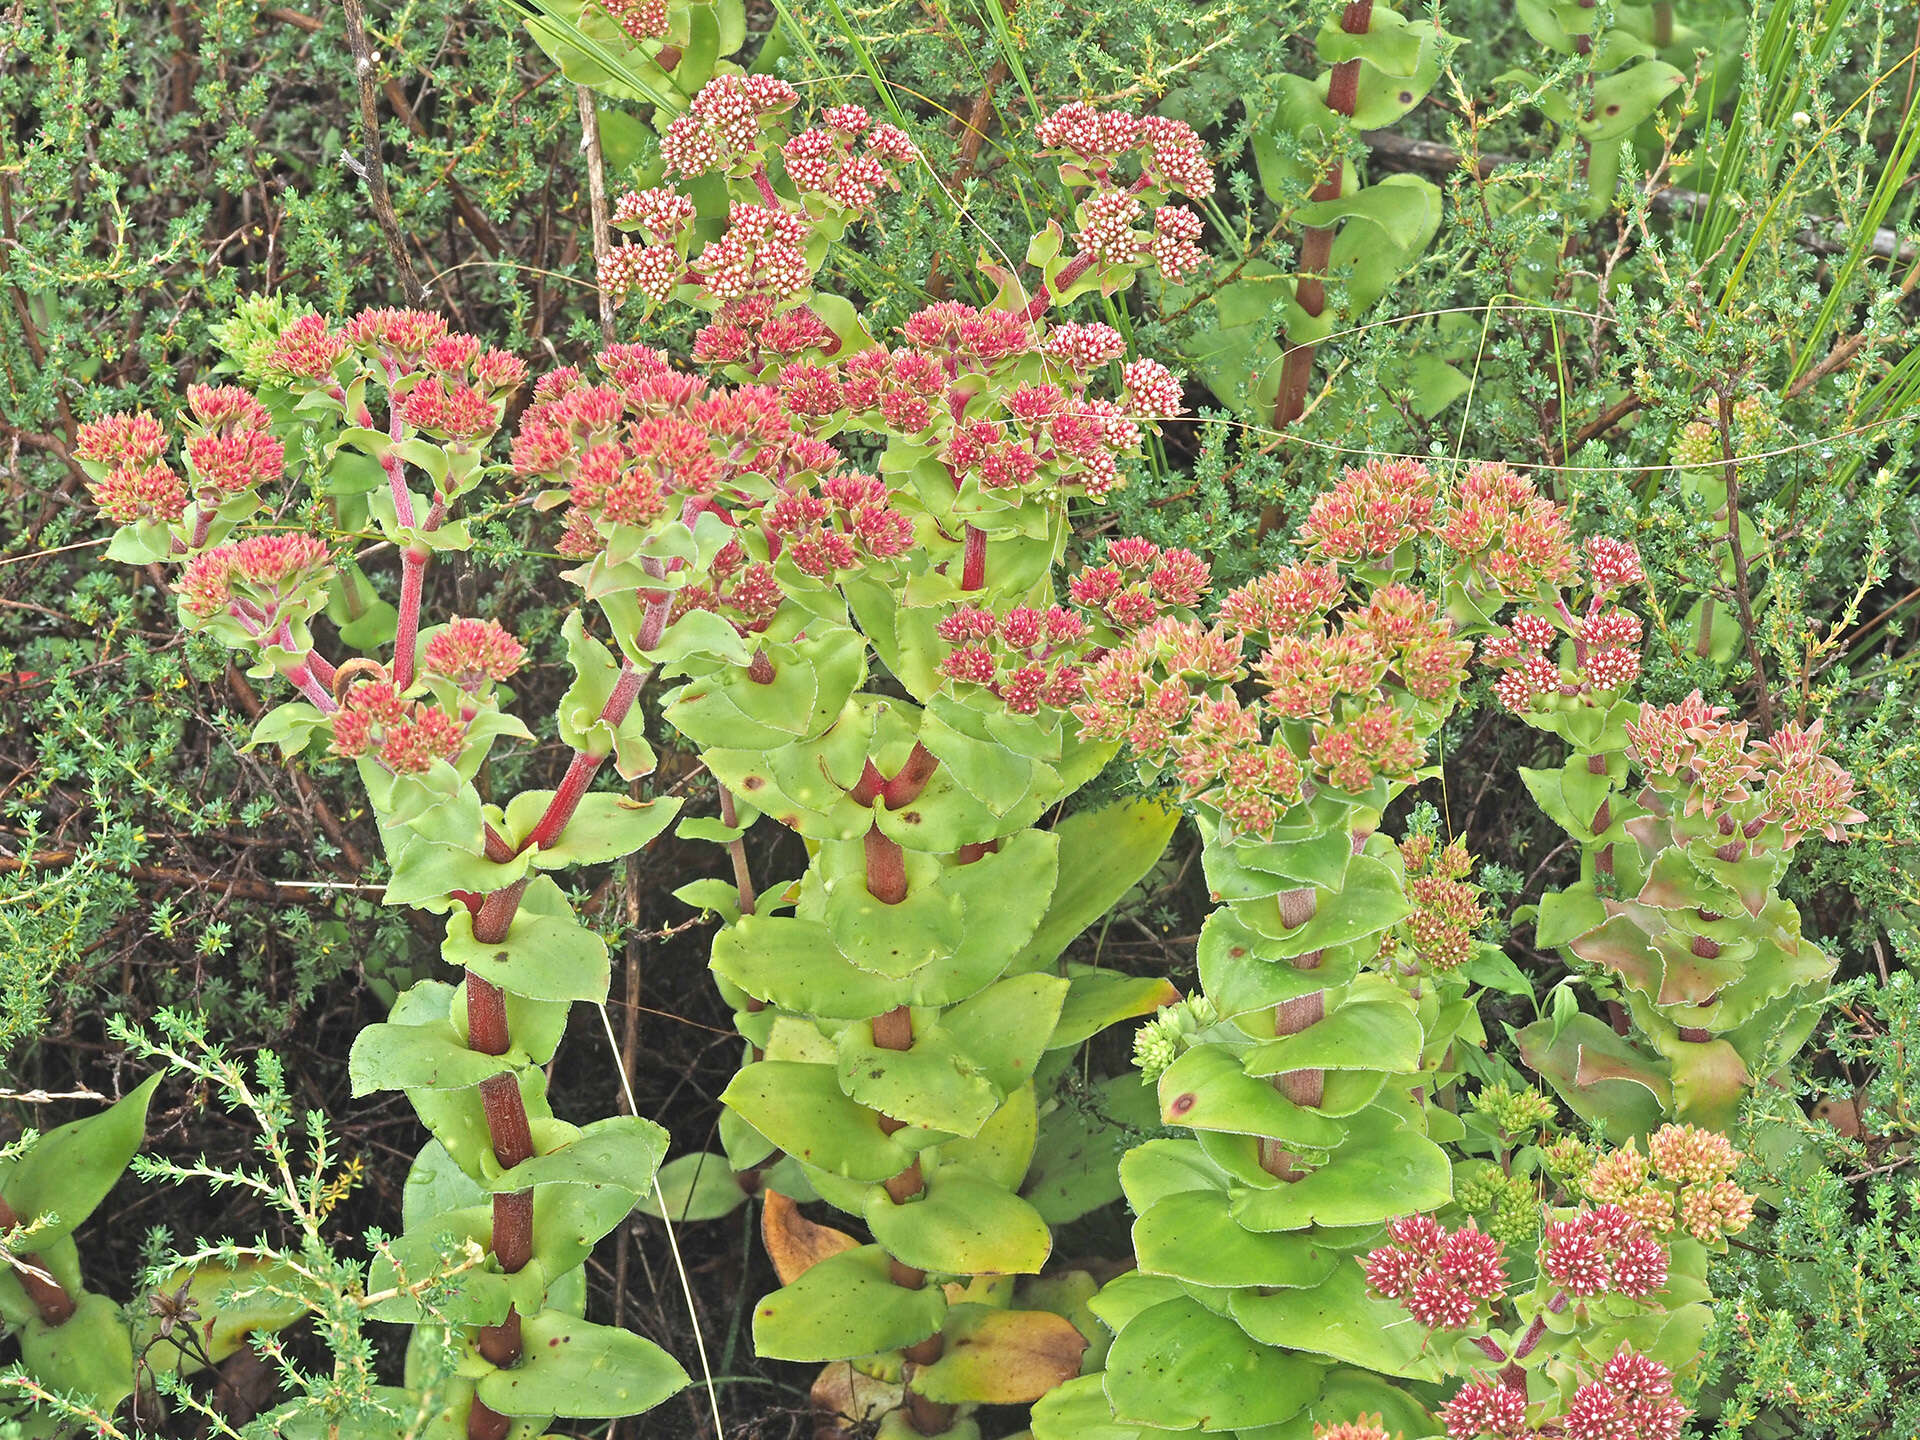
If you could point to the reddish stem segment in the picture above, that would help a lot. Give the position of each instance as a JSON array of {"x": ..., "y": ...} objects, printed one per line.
[
  {"x": 406, "y": 637},
  {"x": 1316, "y": 246},
  {"x": 973, "y": 561},
  {"x": 48, "y": 1295},
  {"x": 1290, "y": 1017},
  {"x": 894, "y": 1031}
]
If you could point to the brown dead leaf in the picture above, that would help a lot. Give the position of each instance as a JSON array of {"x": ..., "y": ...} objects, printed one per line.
[{"x": 794, "y": 1243}]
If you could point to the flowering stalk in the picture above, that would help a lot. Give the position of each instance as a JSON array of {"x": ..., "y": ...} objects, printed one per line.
[
  {"x": 893, "y": 1021},
  {"x": 1686, "y": 828},
  {"x": 530, "y": 1190}
]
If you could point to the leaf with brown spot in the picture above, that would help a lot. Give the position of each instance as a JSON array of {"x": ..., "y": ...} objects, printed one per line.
[{"x": 794, "y": 1243}]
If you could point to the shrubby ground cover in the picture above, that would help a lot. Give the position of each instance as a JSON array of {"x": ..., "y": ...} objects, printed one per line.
[{"x": 917, "y": 720}]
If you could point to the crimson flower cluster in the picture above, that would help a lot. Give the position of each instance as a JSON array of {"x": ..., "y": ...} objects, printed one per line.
[
  {"x": 1631, "y": 1399},
  {"x": 230, "y": 451},
  {"x": 639, "y": 19},
  {"x": 1505, "y": 530},
  {"x": 403, "y": 737},
  {"x": 1605, "y": 639},
  {"x": 1098, "y": 145},
  {"x": 1441, "y": 1278},
  {"x": 1602, "y": 1251},
  {"x": 1027, "y": 657},
  {"x": 265, "y": 582}
]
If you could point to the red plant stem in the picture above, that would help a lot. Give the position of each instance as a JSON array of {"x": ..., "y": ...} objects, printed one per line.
[
  {"x": 486, "y": 1424},
  {"x": 737, "y": 852},
  {"x": 323, "y": 668},
  {"x": 1490, "y": 1347},
  {"x": 301, "y": 676},
  {"x": 905, "y": 787},
  {"x": 886, "y": 868},
  {"x": 894, "y": 1031},
  {"x": 973, "y": 562},
  {"x": 488, "y": 1032},
  {"x": 202, "y": 523},
  {"x": 765, "y": 187},
  {"x": 49, "y": 1296},
  {"x": 406, "y": 638},
  {"x": 1316, "y": 247},
  {"x": 1290, "y": 1017}
]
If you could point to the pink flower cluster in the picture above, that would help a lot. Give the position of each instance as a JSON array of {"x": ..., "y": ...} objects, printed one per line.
[
  {"x": 403, "y": 737},
  {"x": 259, "y": 580},
  {"x": 1139, "y": 583},
  {"x": 231, "y": 448},
  {"x": 1689, "y": 748},
  {"x": 830, "y": 160},
  {"x": 1169, "y": 153},
  {"x": 848, "y": 522},
  {"x": 1018, "y": 655},
  {"x": 1603, "y": 1251},
  {"x": 473, "y": 654},
  {"x": 761, "y": 253},
  {"x": 138, "y": 485},
  {"x": 1605, "y": 639},
  {"x": 640, "y": 19},
  {"x": 1632, "y": 1399},
  {"x": 1441, "y": 1278},
  {"x": 1509, "y": 532},
  {"x": 1372, "y": 511},
  {"x": 722, "y": 123}
]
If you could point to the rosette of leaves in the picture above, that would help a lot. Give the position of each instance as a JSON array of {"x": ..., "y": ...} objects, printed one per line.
[
  {"x": 1608, "y": 78},
  {"x": 506, "y": 1200},
  {"x": 1332, "y": 996},
  {"x": 1686, "y": 826},
  {"x": 869, "y": 654},
  {"x": 71, "y": 1340},
  {"x": 1360, "y": 238}
]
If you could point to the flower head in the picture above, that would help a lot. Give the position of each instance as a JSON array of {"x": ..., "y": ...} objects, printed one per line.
[
  {"x": 1508, "y": 532},
  {"x": 1373, "y": 510},
  {"x": 404, "y": 738},
  {"x": 1440, "y": 1277},
  {"x": 473, "y": 654}
]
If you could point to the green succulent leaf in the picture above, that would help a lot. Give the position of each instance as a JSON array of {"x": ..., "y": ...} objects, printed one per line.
[
  {"x": 572, "y": 1367},
  {"x": 844, "y": 1307}
]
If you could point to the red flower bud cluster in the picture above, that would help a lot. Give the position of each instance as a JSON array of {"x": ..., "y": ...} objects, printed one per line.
[
  {"x": 761, "y": 253},
  {"x": 403, "y": 737},
  {"x": 1366, "y": 1427},
  {"x": 1017, "y": 655},
  {"x": 473, "y": 654},
  {"x": 1603, "y": 1251},
  {"x": 723, "y": 121},
  {"x": 138, "y": 485},
  {"x": 1441, "y": 1278},
  {"x": 1169, "y": 153},
  {"x": 640, "y": 19},
  {"x": 1152, "y": 389},
  {"x": 1139, "y": 583},
  {"x": 308, "y": 349},
  {"x": 260, "y": 581},
  {"x": 1480, "y": 1409},
  {"x": 829, "y": 160},
  {"x": 1378, "y": 743},
  {"x": 1509, "y": 532},
  {"x": 848, "y": 522},
  {"x": 1632, "y": 1400}
]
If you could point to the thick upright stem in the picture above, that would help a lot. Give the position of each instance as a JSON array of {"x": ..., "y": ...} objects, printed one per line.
[
  {"x": 48, "y": 1295},
  {"x": 737, "y": 852},
  {"x": 1290, "y": 1017},
  {"x": 1316, "y": 247},
  {"x": 894, "y": 1031},
  {"x": 406, "y": 637}
]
